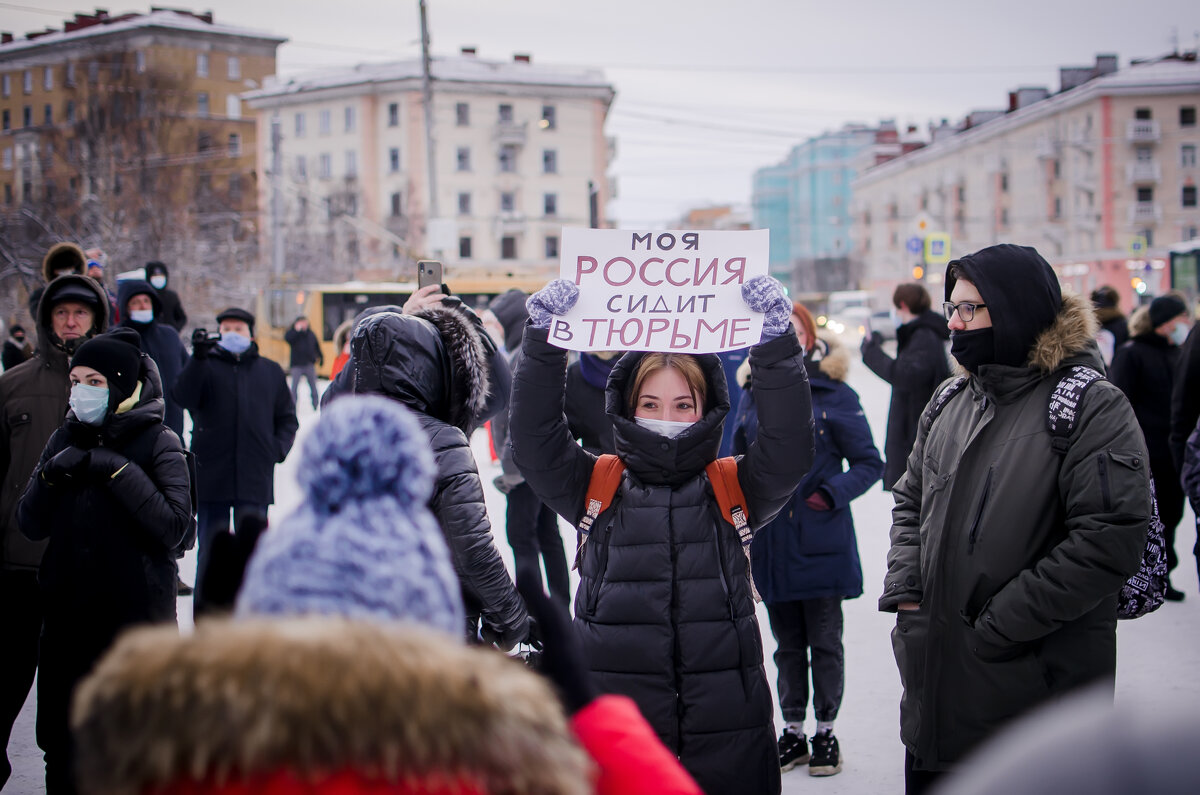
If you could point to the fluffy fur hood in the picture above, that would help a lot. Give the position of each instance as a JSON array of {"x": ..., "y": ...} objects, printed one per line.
[
  {"x": 1071, "y": 333},
  {"x": 834, "y": 364},
  {"x": 62, "y": 256},
  {"x": 1139, "y": 321},
  {"x": 240, "y": 699}
]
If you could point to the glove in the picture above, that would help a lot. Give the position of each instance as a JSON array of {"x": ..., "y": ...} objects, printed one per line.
[
  {"x": 562, "y": 658},
  {"x": 227, "y": 558},
  {"x": 819, "y": 501},
  {"x": 507, "y": 639},
  {"x": 66, "y": 466},
  {"x": 556, "y": 298},
  {"x": 104, "y": 463},
  {"x": 765, "y": 294},
  {"x": 201, "y": 344},
  {"x": 872, "y": 340}
]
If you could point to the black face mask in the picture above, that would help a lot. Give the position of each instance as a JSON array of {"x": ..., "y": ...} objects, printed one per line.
[
  {"x": 19, "y": 337},
  {"x": 973, "y": 349}
]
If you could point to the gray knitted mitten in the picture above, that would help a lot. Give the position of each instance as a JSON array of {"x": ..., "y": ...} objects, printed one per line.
[{"x": 556, "y": 298}]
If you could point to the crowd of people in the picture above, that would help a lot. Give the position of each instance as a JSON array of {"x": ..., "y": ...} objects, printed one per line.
[{"x": 374, "y": 611}]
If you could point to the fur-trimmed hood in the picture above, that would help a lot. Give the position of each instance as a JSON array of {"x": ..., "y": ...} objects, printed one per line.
[
  {"x": 1072, "y": 333},
  {"x": 1139, "y": 321},
  {"x": 63, "y": 256},
  {"x": 433, "y": 361},
  {"x": 315, "y": 696},
  {"x": 833, "y": 362}
]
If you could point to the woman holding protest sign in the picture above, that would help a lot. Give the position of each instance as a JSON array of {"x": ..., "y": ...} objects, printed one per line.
[{"x": 664, "y": 608}]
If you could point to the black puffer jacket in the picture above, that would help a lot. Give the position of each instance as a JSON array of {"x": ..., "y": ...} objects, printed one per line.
[
  {"x": 1144, "y": 369},
  {"x": 435, "y": 363},
  {"x": 664, "y": 609},
  {"x": 243, "y": 424},
  {"x": 110, "y": 561},
  {"x": 920, "y": 365},
  {"x": 160, "y": 342}
]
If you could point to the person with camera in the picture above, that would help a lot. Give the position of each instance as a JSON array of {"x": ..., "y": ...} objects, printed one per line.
[{"x": 243, "y": 424}]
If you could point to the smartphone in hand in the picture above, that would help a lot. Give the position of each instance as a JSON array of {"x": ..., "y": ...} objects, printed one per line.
[{"x": 429, "y": 271}]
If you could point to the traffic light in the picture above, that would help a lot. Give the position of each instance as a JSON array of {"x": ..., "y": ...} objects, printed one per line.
[
  {"x": 918, "y": 273},
  {"x": 1138, "y": 285}
]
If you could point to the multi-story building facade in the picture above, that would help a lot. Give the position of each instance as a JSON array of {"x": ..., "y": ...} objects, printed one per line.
[
  {"x": 127, "y": 133},
  {"x": 1100, "y": 177},
  {"x": 519, "y": 152}
]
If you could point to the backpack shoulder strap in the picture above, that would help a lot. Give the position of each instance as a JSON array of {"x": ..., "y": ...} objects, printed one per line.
[
  {"x": 1062, "y": 409},
  {"x": 941, "y": 399},
  {"x": 602, "y": 487},
  {"x": 722, "y": 474}
]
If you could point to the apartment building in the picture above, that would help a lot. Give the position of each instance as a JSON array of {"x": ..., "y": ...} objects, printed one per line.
[
  {"x": 1100, "y": 177},
  {"x": 519, "y": 152}
]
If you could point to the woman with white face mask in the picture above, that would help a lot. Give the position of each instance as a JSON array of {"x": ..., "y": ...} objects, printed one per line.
[
  {"x": 112, "y": 495},
  {"x": 664, "y": 608}
]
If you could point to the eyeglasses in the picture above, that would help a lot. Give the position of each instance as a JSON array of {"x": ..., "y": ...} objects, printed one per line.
[{"x": 966, "y": 310}]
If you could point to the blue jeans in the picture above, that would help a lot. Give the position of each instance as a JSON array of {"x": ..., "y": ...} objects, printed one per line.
[{"x": 212, "y": 519}]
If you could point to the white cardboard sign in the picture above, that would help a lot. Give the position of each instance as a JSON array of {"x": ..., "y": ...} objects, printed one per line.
[{"x": 677, "y": 291}]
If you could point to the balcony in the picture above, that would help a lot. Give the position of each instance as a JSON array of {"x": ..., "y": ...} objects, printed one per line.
[
  {"x": 1143, "y": 172},
  {"x": 510, "y": 133},
  {"x": 510, "y": 223},
  {"x": 1143, "y": 131},
  {"x": 1145, "y": 213}
]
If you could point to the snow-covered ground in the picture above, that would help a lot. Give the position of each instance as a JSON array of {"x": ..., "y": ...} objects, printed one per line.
[{"x": 1158, "y": 655}]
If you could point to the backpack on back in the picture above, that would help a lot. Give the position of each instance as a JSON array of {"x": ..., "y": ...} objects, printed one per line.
[{"x": 1146, "y": 590}]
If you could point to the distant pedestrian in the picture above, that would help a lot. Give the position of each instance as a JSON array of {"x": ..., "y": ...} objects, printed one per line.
[
  {"x": 305, "y": 356},
  {"x": 16, "y": 348},
  {"x": 243, "y": 424},
  {"x": 141, "y": 308},
  {"x": 1145, "y": 370},
  {"x": 59, "y": 260},
  {"x": 172, "y": 308},
  {"x": 805, "y": 562},
  {"x": 919, "y": 366},
  {"x": 341, "y": 344},
  {"x": 1114, "y": 330},
  {"x": 95, "y": 270}
]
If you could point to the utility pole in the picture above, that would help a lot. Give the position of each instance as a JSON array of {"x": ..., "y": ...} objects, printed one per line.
[
  {"x": 427, "y": 104},
  {"x": 276, "y": 198}
]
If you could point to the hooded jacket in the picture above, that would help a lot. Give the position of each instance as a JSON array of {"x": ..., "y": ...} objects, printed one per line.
[
  {"x": 33, "y": 402},
  {"x": 172, "y": 309},
  {"x": 435, "y": 363},
  {"x": 160, "y": 342},
  {"x": 803, "y": 553},
  {"x": 664, "y": 610},
  {"x": 920, "y": 365},
  {"x": 243, "y": 424},
  {"x": 1015, "y": 553},
  {"x": 1144, "y": 369},
  {"x": 60, "y": 258}
]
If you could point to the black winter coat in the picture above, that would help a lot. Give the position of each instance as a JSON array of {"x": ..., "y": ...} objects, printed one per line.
[
  {"x": 1144, "y": 369},
  {"x": 1185, "y": 395},
  {"x": 305, "y": 348},
  {"x": 920, "y": 365},
  {"x": 113, "y": 532},
  {"x": 435, "y": 363},
  {"x": 243, "y": 424},
  {"x": 664, "y": 610},
  {"x": 585, "y": 409},
  {"x": 161, "y": 342}
]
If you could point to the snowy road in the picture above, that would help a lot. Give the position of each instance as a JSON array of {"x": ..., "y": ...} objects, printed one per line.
[{"x": 1158, "y": 656}]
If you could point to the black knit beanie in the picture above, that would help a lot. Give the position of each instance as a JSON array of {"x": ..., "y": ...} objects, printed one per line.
[
  {"x": 117, "y": 356},
  {"x": 1166, "y": 308}
]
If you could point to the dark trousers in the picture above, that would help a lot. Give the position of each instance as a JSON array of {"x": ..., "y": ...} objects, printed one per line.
[
  {"x": 917, "y": 782},
  {"x": 1170, "y": 502},
  {"x": 212, "y": 518},
  {"x": 534, "y": 538},
  {"x": 309, "y": 373},
  {"x": 798, "y": 627},
  {"x": 20, "y": 629},
  {"x": 66, "y": 657}
]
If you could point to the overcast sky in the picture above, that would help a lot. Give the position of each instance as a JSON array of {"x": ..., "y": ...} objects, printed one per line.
[{"x": 709, "y": 91}]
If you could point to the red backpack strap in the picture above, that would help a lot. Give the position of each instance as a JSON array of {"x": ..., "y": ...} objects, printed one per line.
[
  {"x": 602, "y": 487},
  {"x": 722, "y": 474}
]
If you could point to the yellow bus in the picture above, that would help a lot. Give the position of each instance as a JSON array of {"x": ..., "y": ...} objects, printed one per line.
[{"x": 327, "y": 306}]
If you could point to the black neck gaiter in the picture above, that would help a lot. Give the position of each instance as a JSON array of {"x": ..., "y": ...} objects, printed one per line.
[{"x": 973, "y": 349}]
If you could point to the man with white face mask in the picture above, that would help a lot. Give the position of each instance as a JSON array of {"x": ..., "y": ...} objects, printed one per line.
[
  {"x": 172, "y": 313},
  {"x": 141, "y": 310},
  {"x": 243, "y": 424}
]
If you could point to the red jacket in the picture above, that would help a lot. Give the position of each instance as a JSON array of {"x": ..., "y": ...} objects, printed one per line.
[{"x": 629, "y": 757}]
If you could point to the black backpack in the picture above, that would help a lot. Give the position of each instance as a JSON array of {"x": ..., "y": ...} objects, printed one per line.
[{"x": 1146, "y": 590}]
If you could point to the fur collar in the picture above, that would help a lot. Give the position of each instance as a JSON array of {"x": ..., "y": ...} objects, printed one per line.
[
  {"x": 239, "y": 699},
  {"x": 1139, "y": 321},
  {"x": 834, "y": 365},
  {"x": 1073, "y": 331},
  {"x": 469, "y": 364}
]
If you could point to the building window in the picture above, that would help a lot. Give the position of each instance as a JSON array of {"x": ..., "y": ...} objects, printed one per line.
[
  {"x": 550, "y": 204},
  {"x": 70, "y": 78},
  {"x": 324, "y": 165},
  {"x": 27, "y": 116},
  {"x": 1189, "y": 195},
  {"x": 94, "y": 74},
  {"x": 508, "y": 248},
  {"x": 551, "y": 247},
  {"x": 396, "y": 205},
  {"x": 233, "y": 68},
  {"x": 1004, "y": 216},
  {"x": 549, "y": 161},
  {"x": 202, "y": 104},
  {"x": 506, "y": 113},
  {"x": 233, "y": 106},
  {"x": 1004, "y": 183},
  {"x": 235, "y": 144},
  {"x": 235, "y": 186},
  {"x": 1142, "y": 114},
  {"x": 139, "y": 60},
  {"x": 48, "y": 85},
  {"x": 1187, "y": 155},
  {"x": 464, "y": 246},
  {"x": 8, "y": 193},
  {"x": 1143, "y": 154},
  {"x": 1145, "y": 195},
  {"x": 394, "y": 159},
  {"x": 508, "y": 158},
  {"x": 508, "y": 201},
  {"x": 7, "y": 122},
  {"x": 1057, "y": 169},
  {"x": 351, "y": 163},
  {"x": 27, "y": 81},
  {"x": 6, "y": 86},
  {"x": 301, "y": 167},
  {"x": 464, "y": 204},
  {"x": 1057, "y": 207},
  {"x": 394, "y": 114},
  {"x": 324, "y": 122},
  {"x": 48, "y": 114},
  {"x": 464, "y": 158},
  {"x": 1187, "y": 116},
  {"x": 1149, "y": 235},
  {"x": 549, "y": 120},
  {"x": 8, "y": 158},
  {"x": 349, "y": 118},
  {"x": 1190, "y": 233},
  {"x": 462, "y": 118},
  {"x": 203, "y": 142},
  {"x": 201, "y": 64}
]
